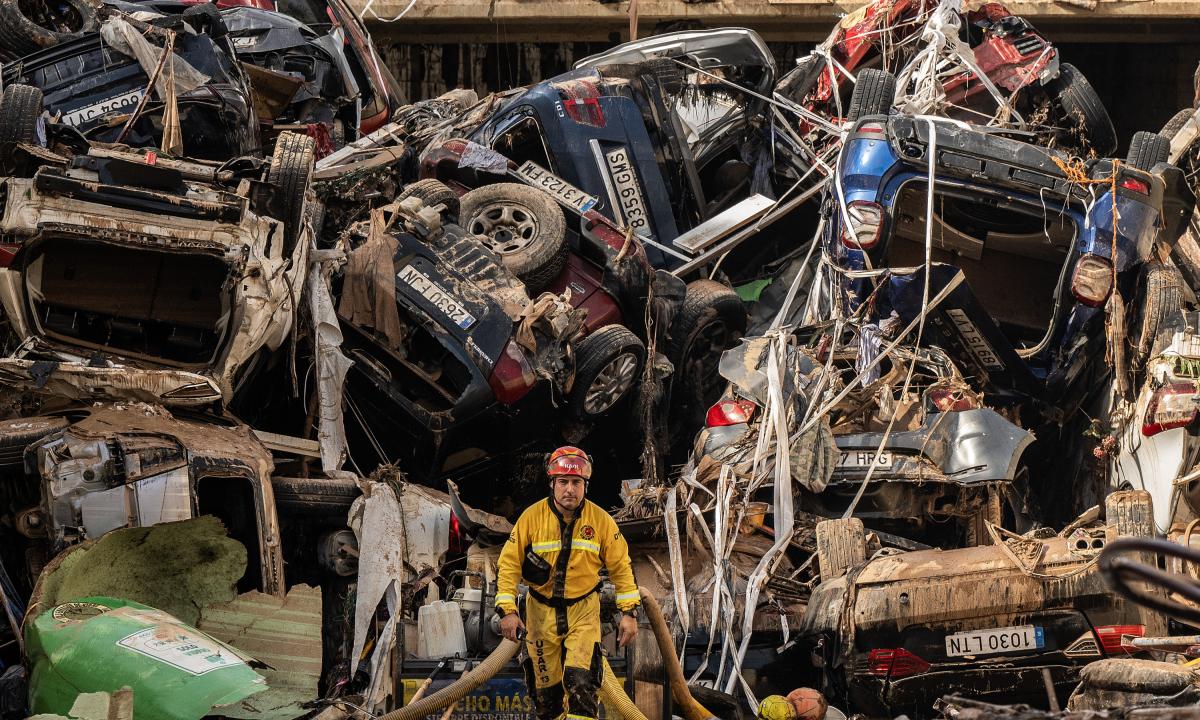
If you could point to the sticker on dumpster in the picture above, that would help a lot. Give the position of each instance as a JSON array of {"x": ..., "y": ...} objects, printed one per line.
[
  {"x": 78, "y": 611},
  {"x": 180, "y": 648}
]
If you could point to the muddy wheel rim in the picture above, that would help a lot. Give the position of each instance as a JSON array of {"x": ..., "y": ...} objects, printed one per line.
[
  {"x": 506, "y": 226},
  {"x": 611, "y": 384}
]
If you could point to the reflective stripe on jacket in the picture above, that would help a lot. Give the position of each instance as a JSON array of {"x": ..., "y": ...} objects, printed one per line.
[{"x": 594, "y": 541}]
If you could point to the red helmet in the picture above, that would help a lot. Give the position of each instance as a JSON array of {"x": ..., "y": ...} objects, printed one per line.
[{"x": 569, "y": 460}]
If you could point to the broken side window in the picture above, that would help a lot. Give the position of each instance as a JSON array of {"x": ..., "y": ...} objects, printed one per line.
[{"x": 524, "y": 141}]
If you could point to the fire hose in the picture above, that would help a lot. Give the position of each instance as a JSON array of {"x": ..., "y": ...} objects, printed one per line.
[{"x": 611, "y": 692}]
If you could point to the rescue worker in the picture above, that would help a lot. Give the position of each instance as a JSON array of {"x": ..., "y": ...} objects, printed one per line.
[{"x": 557, "y": 548}]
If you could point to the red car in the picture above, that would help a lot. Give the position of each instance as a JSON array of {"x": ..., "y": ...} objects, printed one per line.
[{"x": 1007, "y": 49}]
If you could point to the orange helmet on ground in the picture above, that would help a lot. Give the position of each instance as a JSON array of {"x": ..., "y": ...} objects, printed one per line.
[{"x": 569, "y": 460}]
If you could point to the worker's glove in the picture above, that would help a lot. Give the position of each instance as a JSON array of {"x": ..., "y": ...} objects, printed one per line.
[
  {"x": 511, "y": 626},
  {"x": 627, "y": 631}
]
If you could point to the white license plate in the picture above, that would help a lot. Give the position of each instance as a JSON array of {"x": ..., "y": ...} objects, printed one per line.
[
  {"x": 438, "y": 296},
  {"x": 560, "y": 189},
  {"x": 991, "y": 642},
  {"x": 858, "y": 459},
  {"x": 119, "y": 103},
  {"x": 629, "y": 194}
]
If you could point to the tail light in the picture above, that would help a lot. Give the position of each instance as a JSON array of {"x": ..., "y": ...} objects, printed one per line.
[
  {"x": 897, "y": 663},
  {"x": 1135, "y": 185},
  {"x": 8, "y": 251},
  {"x": 1113, "y": 637},
  {"x": 513, "y": 375},
  {"x": 585, "y": 111},
  {"x": 952, "y": 399},
  {"x": 456, "y": 545},
  {"x": 1171, "y": 406},
  {"x": 730, "y": 412},
  {"x": 866, "y": 222},
  {"x": 1092, "y": 282}
]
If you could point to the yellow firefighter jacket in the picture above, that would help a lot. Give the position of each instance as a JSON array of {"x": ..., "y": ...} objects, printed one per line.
[{"x": 575, "y": 552}]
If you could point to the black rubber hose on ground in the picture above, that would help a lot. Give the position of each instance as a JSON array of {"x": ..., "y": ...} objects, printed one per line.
[
  {"x": 611, "y": 691},
  {"x": 461, "y": 687}
]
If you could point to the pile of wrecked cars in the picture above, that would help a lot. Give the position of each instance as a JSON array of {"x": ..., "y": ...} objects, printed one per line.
[{"x": 875, "y": 366}]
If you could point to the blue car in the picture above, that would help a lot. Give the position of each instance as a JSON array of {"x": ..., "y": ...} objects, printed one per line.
[{"x": 1027, "y": 245}]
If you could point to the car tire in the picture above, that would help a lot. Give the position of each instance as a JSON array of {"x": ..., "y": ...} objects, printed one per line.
[
  {"x": 608, "y": 365},
  {"x": 1077, "y": 99},
  {"x": 20, "y": 108},
  {"x": 523, "y": 225},
  {"x": 1162, "y": 299},
  {"x": 1176, "y": 123},
  {"x": 291, "y": 172},
  {"x": 433, "y": 193},
  {"x": 314, "y": 496},
  {"x": 1148, "y": 149},
  {"x": 20, "y": 433},
  {"x": 710, "y": 320},
  {"x": 874, "y": 91},
  {"x": 22, "y": 35}
]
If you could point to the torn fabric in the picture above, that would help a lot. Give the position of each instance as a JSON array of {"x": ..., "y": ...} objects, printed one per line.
[
  {"x": 369, "y": 290},
  {"x": 179, "y": 75},
  {"x": 332, "y": 366}
]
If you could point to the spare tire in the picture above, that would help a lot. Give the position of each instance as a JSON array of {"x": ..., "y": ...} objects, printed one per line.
[
  {"x": 1176, "y": 123},
  {"x": 523, "y": 225},
  {"x": 432, "y": 193},
  {"x": 709, "y": 322},
  {"x": 1080, "y": 105},
  {"x": 290, "y": 172},
  {"x": 608, "y": 364},
  {"x": 20, "y": 108},
  {"x": 874, "y": 91},
  {"x": 1148, "y": 149},
  {"x": 27, "y": 26}
]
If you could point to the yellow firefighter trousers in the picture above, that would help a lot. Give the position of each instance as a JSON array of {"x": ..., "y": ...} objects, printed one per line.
[{"x": 564, "y": 654}]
